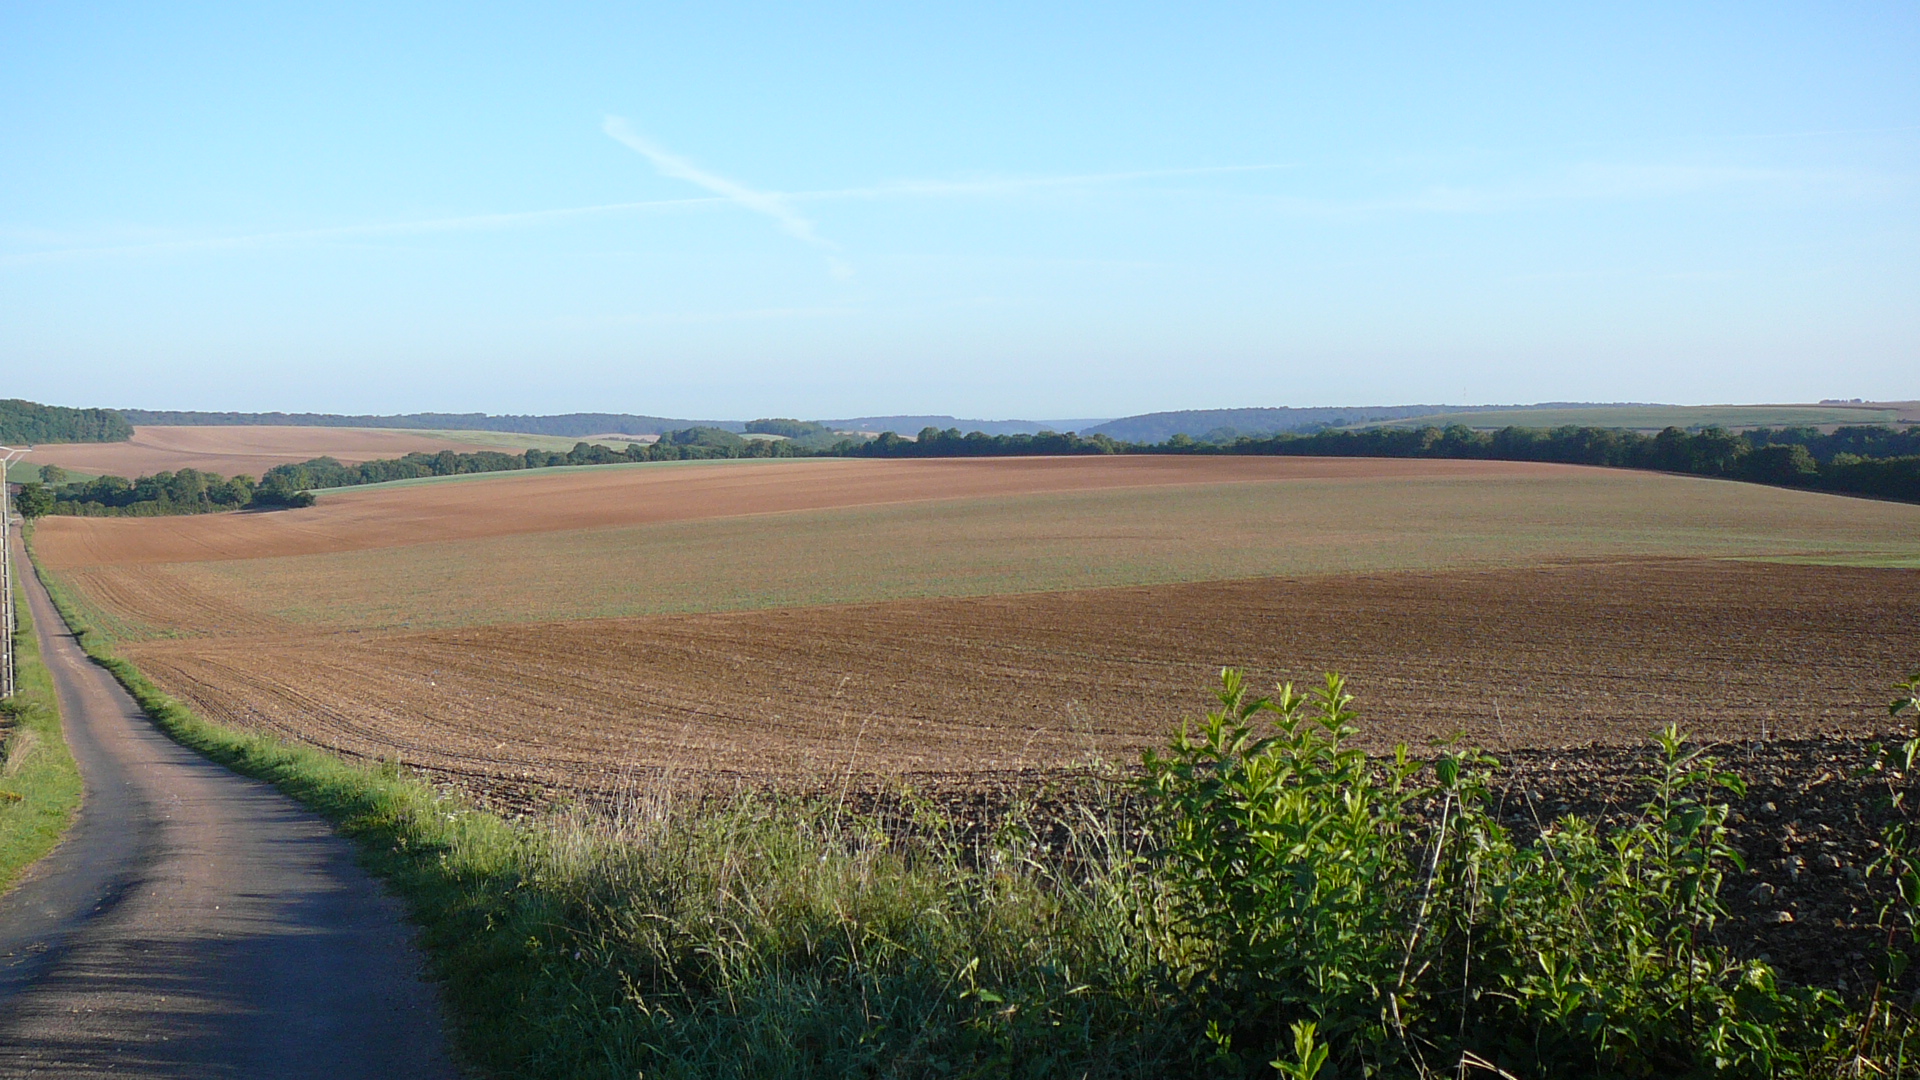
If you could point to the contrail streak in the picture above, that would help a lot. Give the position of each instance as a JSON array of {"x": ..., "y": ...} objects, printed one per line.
[{"x": 772, "y": 204}]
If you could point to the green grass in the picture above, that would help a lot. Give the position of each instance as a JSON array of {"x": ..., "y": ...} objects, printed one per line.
[
  {"x": 34, "y": 764},
  {"x": 1656, "y": 417},
  {"x": 26, "y": 472},
  {"x": 1054, "y": 542}
]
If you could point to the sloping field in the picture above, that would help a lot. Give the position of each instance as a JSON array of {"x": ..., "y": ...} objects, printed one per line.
[
  {"x": 561, "y": 500},
  {"x": 702, "y": 553},
  {"x": 791, "y": 620},
  {"x": 251, "y": 451},
  {"x": 1510, "y": 658}
]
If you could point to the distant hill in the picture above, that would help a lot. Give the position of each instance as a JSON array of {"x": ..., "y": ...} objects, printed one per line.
[
  {"x": 23, "y": 422},
  {"x": 570, "y": 425},
  {"x": 911, "y": 425},
  {"x": 1198, "y": 423},
  {"x": 1640, "y": 417}
]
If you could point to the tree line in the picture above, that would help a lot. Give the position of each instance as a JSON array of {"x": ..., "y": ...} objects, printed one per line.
[
  {"x": 688, "y": 444},
  {"x": 30, "y": 422},
  {"x": 1873, "y": 460},
  {"x": 1789, "y": 457},
  {"x": 188, "y": 491}
]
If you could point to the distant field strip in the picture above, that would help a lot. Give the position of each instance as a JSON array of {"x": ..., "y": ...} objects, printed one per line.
[
  {"x": 1017, "y": 544},
  {"x": 252, "y": 450}
]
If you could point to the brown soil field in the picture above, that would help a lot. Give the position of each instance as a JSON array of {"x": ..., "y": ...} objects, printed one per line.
[
  {"x": 1542, "y": 657},
  {"x": 503, "y": 504},
  {"x": 239, "y": 450},
  {"x": 1112, "y": 532}
]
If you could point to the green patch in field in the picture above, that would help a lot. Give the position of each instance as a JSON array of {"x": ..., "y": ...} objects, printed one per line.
[{"x": 26, "y": 472}]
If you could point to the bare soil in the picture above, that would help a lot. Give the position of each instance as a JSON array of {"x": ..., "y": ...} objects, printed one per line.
[
  {"x": 975, "y": 692},
  {"x": 504, "y": 504},
  {"x": 239, "y": 450}
]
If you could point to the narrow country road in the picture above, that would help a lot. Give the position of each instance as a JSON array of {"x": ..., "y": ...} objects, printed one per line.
[{"x": 198, "y": 923}]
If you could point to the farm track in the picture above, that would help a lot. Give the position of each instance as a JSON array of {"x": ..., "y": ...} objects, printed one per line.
[
  {"x": 960, "y": 691},
  {"x": 196, "y": 923}
]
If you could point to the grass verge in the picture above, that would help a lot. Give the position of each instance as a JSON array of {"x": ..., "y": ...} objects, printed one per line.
[{"x": 39, "y": 784}]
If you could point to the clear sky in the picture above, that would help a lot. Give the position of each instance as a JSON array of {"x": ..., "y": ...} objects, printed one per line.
[{"x": 991, "y": 210}]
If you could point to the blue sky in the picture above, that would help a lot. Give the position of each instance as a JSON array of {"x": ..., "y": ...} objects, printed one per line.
[{"x": 987, "y": 210}]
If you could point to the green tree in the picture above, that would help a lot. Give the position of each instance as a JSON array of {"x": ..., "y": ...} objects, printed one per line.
[{"x": 34, "y": 500}]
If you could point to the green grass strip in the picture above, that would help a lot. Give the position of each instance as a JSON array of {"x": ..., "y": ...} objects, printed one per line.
[{"x": 39, "y": 784}]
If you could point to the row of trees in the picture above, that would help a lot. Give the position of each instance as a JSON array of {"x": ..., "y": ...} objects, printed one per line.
[
  {"x": 1867, "y": 460},
  {"x": 188, "y": 491},
  {"x": 933, "y": 442},
  {"x": 689, "y": 444}
]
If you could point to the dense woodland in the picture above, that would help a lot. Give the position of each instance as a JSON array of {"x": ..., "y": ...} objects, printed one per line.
[{"x": 24, "y": 422}]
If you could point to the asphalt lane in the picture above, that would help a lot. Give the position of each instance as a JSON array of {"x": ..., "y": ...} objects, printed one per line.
[{"x": 196, "y": 923}]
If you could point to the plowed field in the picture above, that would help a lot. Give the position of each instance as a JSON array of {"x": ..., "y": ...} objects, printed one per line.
[
  {"x": 565, "y": 545},
  {"x": 1513, "y": 658},
  {"x": 548, "y": 501},
  {"x": 792, "y": 621},
  {"x": 240, "y": 450}
]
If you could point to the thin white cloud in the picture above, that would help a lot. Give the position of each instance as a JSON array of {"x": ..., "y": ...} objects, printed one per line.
[
  {"x": 1576, "y": 183},
  {"x": 1600, "y": 182},
  {"x": 1009, "y": 185},
  {"x": 467, "y": 223},
  {"x": 905, "y": 189},
  {"x": 772, "y": 204}
]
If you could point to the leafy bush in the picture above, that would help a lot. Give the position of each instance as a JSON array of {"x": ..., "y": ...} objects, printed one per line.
[{"x": 1365, "y": 917}]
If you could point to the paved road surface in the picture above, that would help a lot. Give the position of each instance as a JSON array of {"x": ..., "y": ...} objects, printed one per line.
[{"x": 197, "y": 923}]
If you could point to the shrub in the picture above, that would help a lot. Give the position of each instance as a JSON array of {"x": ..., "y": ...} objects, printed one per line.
[{"x": 1366, "y": 917}]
